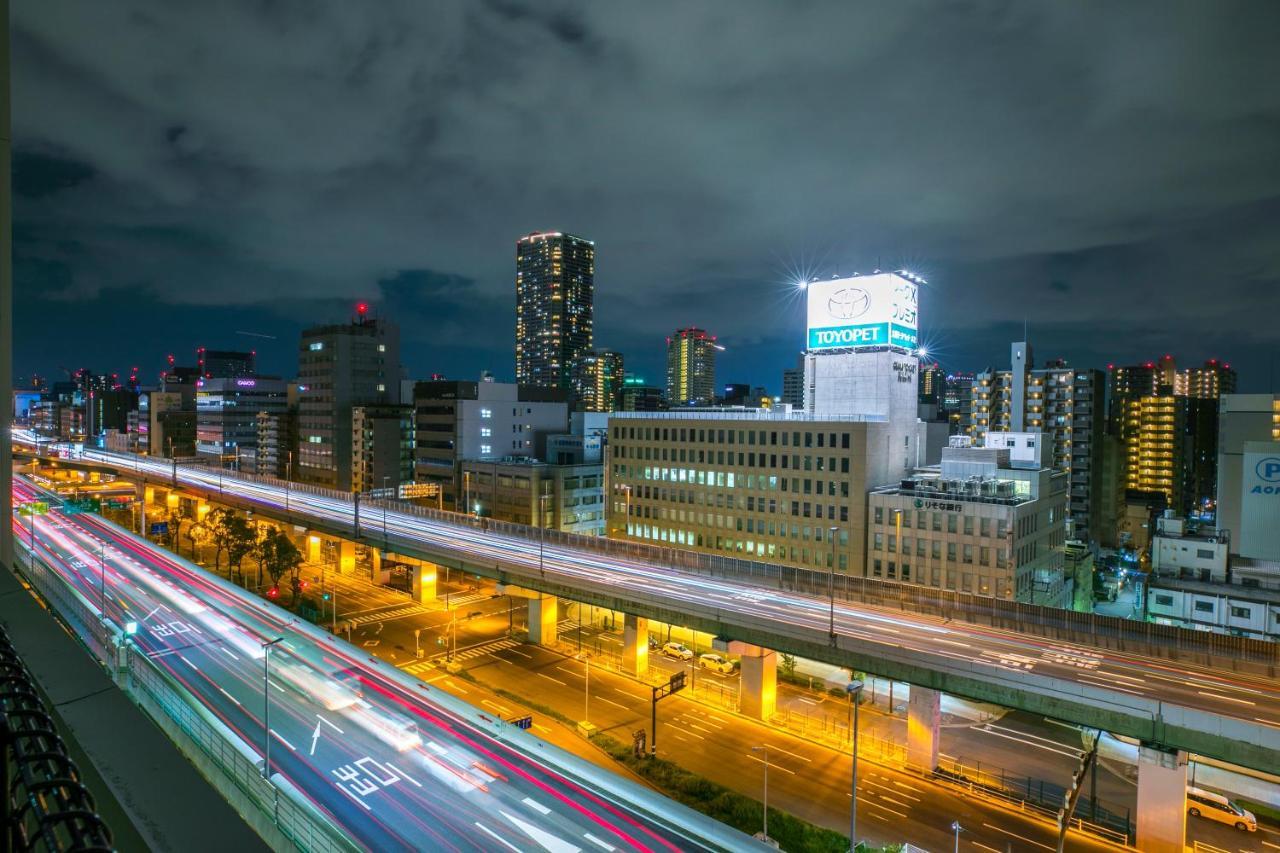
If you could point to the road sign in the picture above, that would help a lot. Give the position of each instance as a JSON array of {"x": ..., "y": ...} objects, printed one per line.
[
  {"x": 674, "y": 685},
  {"x": 76, "y": 506},
  {"x": 33, "y": 508},
  {"x": 523, "y": 722},
  {"x": 159, "y": 528},
  {"x": 419, "y": 490}
]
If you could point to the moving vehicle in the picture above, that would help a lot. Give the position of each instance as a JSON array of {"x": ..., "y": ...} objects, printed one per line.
[
  {"x": 717, "y": 663},
  {"x": 1202, "y": 803},
  {"x": 679, "y": 651}
]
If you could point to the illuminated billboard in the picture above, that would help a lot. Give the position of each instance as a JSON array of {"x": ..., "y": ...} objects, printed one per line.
[{"x": 863, "y": 311}]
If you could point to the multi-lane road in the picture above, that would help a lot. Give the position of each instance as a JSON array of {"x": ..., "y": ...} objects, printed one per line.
[
  {"x": 396, "y": 763},
  {"x": 1105, "y": 678}
]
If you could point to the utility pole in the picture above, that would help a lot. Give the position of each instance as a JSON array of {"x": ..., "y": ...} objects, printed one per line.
[{"x": 764, "y": 834}]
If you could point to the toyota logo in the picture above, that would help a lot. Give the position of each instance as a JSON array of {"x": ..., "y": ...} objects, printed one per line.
[{"x": 848, "y": 303}]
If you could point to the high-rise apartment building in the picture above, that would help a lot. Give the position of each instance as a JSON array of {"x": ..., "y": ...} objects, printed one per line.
[
  {"x": 382, "y": 446},
  {"x": 278, "y": 442},
  {"x": 1063, "y": 402},
  {"x": 339, "y": 367},
  {"x": 555, "y": 285},
  {"x": 691, "y": 368},
  {"x": 957, "y": 401},
  {"x": 597, "y": 382},
  {"x": 1207, "y": 382}
]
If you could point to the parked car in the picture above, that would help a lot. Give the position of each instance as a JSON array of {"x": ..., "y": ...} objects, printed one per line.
[
  {"x": 679, "y": 651},
  {"x": 717, "y": 663},
  {"x": 1202, "y": 803}
]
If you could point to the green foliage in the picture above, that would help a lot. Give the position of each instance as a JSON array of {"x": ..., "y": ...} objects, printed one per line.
[
  {"x": 279, "y": 557},
  {"x": 787, "y": 665}
]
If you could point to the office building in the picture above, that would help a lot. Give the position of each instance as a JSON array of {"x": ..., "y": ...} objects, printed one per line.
[
  {"x": 932, "y": 385},
  {"x": 957, "y": 402},
  {"x": 339, "y": 367},
  {"x": 555, "y": 285},
  {"x": 597, "y": 382},
  {"x": 224, "y": 364},
  {"x": 567, "y": 498},
  {"x": 382, "y": 446},
  {"x": 1248, "y": 495},
  {"x": 691, "y": 368},
  {"x": 640, "y": 396},
  {"x": 456, "y": 421},
  {"x": 978, "y": 523},
  {"x": 737, "y": 394},
  {"x": 764, "y": 485},
  {"x": 227, "y": 417},
  {"x": 793, "y": 384},
  {"x": 1064, "y": 403}
]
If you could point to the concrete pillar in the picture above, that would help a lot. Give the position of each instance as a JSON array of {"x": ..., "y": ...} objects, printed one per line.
[
  {"x": 924, "y": 717},
  {"x": 424, "y": 582},
  {"x": 759, "y": 683},
  {"x": 544, "y": 614},
  {"x": 312, "y": 552},
  {"x": 346, "y": 557},
  {"x": 202, "y": 508},
  {"x": 635, "y": 645},
  {"x": 377, "y": 572},
  {"x": 1162, "y": 800}
]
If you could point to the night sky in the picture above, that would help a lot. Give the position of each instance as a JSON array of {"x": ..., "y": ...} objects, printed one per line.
[{"x": 1108, "y": 174}]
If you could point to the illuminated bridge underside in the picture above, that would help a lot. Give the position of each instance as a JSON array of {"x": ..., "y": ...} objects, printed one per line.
[{"x": 868, "y": 640}]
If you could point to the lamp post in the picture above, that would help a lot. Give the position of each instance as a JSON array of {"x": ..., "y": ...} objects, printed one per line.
[
  {"x": 266, "y": 708},
  {"x": 831, "y": 585},
  {"x": 854, "y": 689},
  {"x": 957, "y": 829},
  {"x": 764, "y": 834},
  {"x": 586, "y": 690}
]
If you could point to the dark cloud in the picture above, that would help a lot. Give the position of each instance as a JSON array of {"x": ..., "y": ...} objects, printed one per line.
[{"x": 1105, "y": 174}]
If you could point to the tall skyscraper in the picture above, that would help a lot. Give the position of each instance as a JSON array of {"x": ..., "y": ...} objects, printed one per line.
[
  {"x": 222, "y": 364},
  {"x": 793, "y": 384},
  {"x": 555, "y": 285},
  {"x": 597, "y": 381},
  {"x": 691, "y": 368},
  {"x": 341, "y": 366},
  {"x": 1207, "y": 382}
]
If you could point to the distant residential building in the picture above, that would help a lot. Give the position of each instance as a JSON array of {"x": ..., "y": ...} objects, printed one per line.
[
  {"x": 1181, "y": 551},
  {"x": 278, "y": 443},
  {"x": 555, "y": 285},
  {"x": 567, "y": 498},
  {"x": 793, "y": 384},
  {"x": 977, "y": 524},
  {"x": 597, "y": 381},
  {"x": 691, "y": 368},
  {"x": 1171, "y": 448},
  {"x": 227, "y": 416},
  {"x": 382, "y": 446},
  {"x": 339, "y": 367},
  {"x": 639, "y": 396},
  {"x": 456, "y": 421},
  {"x": 957, "y": 402},
  {"x": 1207, "y": 382}
]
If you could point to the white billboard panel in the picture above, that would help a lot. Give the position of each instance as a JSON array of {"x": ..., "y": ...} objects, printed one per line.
[
  {"x": 1259, "y": 535},
  {"x": 863, "y": 311}
]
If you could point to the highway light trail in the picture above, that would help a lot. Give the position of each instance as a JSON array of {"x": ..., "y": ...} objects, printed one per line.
[{"x": 397, "y": 764}]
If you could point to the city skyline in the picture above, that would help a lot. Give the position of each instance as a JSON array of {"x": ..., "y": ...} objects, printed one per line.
[{"x": 139, "y": 225}]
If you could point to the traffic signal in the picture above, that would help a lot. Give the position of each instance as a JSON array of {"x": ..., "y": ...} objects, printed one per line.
[
  {"x": 304, "y": 583},
  {"x": 274, "y": 592},
  {"x": 326, "y": 596}
]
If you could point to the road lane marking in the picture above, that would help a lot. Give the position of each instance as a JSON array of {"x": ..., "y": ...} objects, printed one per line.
[
  {"x": 517, "y": 652},
  {"x": 865, "y": 801},
  {"x": 1269, "y": 844},
  {"x": 501, "y": 709},
  {"x": 329, "y": 724},
  {"x": 228, "y": 651},
  {"x": 613, "y": 703},
  {"x": 280, "y": 738},
  {"x": 496, "y": 836},
  {"x": 359, "y": 800},
  {"x": 548, "y": 841},
  {"x": 984, "y": 847},
  {"x": 189, "y": 663},
  {"x": 533, "y": 804},
  {"x": 541, "y": 727},
  {"x": 152, "y": 613},
  {"x": 772, "y": 765},
  {"x": 678, "y": 729},
  {"x": 405, "y": 775},
  {"x": 1060, "y": 751},
  {"x": 1019, "y": 837},
  {"x": 229, "y": 696},
  {"x": 787, "y": 752},
  {"x": 1275, "y": 723},
  {"x": 601, "y": 844},
  {"x": 276, "y": 686},
  {"x": 549, "y": 678}
]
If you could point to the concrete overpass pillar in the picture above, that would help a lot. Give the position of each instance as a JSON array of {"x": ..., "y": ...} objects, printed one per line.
[
  {"x": 346, "y": 557},
  {"x": 424, "y": 582},
  {"x": 1162, "y": 800},
  {"x": 544, "y": 614},
  {"x": 759, "y": 683},
  {"x": 924, "y": 717},
  {"x": 635, "y": 645},
  {"x": 312, "y": 552},
  {"x": 375, "y": 567}
]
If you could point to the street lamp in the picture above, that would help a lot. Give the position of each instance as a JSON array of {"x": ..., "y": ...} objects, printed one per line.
[
  {"x": 266, "y": 708},
  {"x": 854, "y": 689},
  {"x": 957, "y": 829},
  {"x": 831, "y": 586},
  {"x": 764, "y": 834}
]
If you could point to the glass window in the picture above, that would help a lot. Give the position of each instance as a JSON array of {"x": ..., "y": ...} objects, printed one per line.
[
  {"x": 1204, "y": 606},
  {"x": 878, "y": 542},
  {"x": 951, "y": 524},
  {"x": 879, "y": 515},
  {"x": 984, "y": 528},
  {"x": 968, "y": 525}
]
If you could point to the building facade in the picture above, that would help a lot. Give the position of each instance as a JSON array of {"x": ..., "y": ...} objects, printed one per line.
[
  {"x": 793, "y": 384},
  {"x": 1248, "y": 434},
  {"x": 976, "y": 524},
  {"x": 278, "y": 443},
  {"x": 339, "y": 367},
  {"x": 568, "y": 498},
  {"x": 227, "y": 416},
  {"x": 639, "y": 396},
  {"x": 555, "y": 287},
  {"x": 456, "y": 421},
  {"x": 382, "y": 447},
  {"x": 597, "y": 382},
  {"x": 691, "y": 368}
]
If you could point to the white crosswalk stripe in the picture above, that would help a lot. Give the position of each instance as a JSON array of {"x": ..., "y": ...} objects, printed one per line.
[
  {"x": 419, "y": 667},
  {"x": 384, "y": 615},
  {"x": 463, "y": 600}
]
